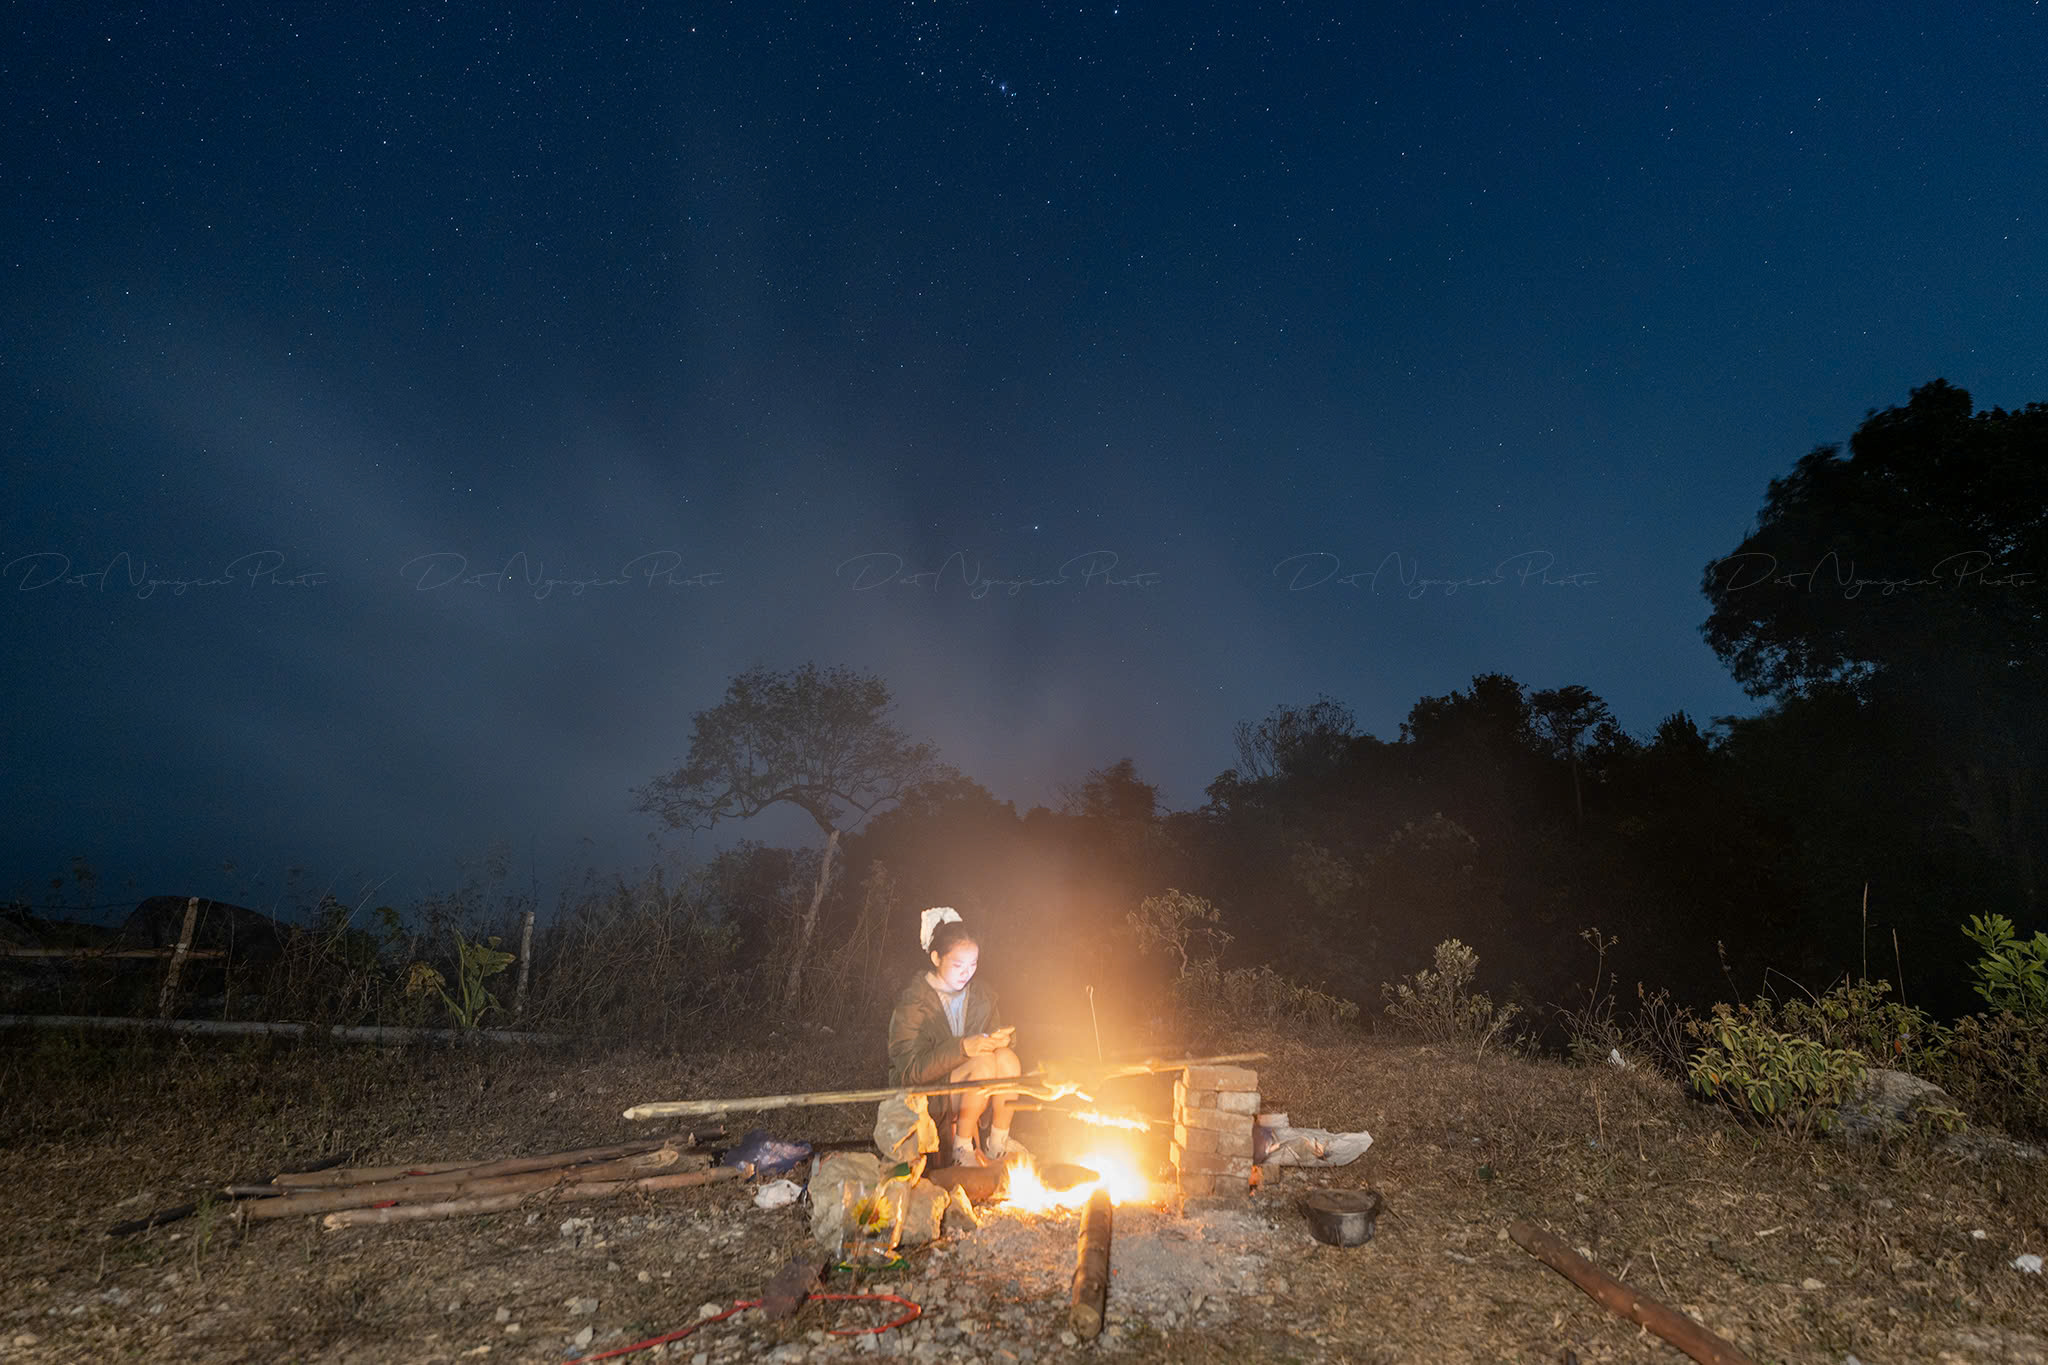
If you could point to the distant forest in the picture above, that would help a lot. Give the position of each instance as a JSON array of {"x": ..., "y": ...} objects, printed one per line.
[{"x": 1888, "y": 607}]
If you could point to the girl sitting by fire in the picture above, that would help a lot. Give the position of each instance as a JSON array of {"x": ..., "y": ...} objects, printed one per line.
[{"x": 946, "y": 1028}]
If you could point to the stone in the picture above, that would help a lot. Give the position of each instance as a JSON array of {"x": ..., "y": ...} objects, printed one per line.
[
  {"x": 924, "y": 1214},
  {"x": 1888, "y": 1099},
  {"x": 1216, "y": 1120},
  {"x": 1238, "y": 1102},
  {"x": 1210, "y": 1162},
  {"x": 1220, "y": 1078}
]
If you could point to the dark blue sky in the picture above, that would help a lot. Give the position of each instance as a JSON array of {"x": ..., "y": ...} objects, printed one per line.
[{"x": 716, "y": 299}]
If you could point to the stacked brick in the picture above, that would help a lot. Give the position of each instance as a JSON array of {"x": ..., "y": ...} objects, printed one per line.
[{"x": 1213, "y": 1111}]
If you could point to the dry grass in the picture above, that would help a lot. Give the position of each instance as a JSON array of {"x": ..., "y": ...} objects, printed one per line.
[{"x": 1671, "y": 1195}]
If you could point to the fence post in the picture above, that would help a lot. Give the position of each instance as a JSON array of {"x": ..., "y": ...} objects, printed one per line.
[
  {"x": 170, "y": 991},
  {"x": 525, "y": 961}
]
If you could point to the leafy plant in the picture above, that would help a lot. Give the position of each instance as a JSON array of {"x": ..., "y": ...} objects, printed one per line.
[
  {"x": 2013, "y": 973},
  {"x": 1769, "y": 1075},
  {"x": 1592, "y": 1032},
  {"x": 1441, "y": 1006},
  {"x": 475, "y": 963},
  {"x": 1996, "y": 1066},
  {"x": 1175, "y": 922},
  {"x": 1258, "y": 995},
  {"x": 1856, "y": 1015}
]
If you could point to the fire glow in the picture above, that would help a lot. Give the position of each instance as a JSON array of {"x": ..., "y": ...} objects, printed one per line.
[
  {"x": 1114, "y": 1172},
  {"x": 1102, "y": 1120}
]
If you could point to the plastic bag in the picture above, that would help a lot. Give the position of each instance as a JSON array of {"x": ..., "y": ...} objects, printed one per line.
[
  {"x": 759, "y": 1154},
  {"x": 777, "y": 1194},
  {"x": 872, "y": 1222},
  {"x": 1313, "y": 1147}
]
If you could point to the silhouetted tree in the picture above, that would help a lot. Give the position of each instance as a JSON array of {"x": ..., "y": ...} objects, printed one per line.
[
  {"x": 815, "y": 740},
  {"x": 1915, "y": 568}
]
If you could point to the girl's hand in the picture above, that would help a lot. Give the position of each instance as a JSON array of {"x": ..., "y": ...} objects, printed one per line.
[
  {"x": 1005, "y": 1035},
  {"x": 979, "y": 1044}
]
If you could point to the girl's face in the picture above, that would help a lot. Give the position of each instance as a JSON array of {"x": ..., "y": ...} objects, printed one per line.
[{"x": 956, "y": 968}]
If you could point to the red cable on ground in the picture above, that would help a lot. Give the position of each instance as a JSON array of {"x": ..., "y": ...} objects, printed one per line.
[{"x": 916, "y": 1312}]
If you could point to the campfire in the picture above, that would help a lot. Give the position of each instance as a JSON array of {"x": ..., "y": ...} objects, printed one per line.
[{"x": 1116, "y": 1173}]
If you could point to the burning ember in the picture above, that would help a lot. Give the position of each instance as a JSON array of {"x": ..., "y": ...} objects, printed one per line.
[{"x": 1115, "y": 1172}]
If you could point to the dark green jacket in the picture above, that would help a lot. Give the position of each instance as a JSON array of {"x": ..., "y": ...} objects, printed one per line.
[{"x": 922, "y": 1048}]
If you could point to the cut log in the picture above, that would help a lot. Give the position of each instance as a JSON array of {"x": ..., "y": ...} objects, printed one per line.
[
  {"x": 455, "y": 1184},
  {"x": 498, "y": 1203},
  {"x": 1091, "y": 1269},
  {"x": 1623, "y": 1299},
  {"x": 982, "y": 1183},
  {"x": 365, "y": 1175}
]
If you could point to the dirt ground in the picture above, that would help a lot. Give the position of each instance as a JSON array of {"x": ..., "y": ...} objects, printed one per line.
[{"x": 1795, "y": 1250}]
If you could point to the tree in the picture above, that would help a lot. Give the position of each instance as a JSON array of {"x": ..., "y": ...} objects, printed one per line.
[
  {"x": 1563, "y": 715},
  {"x": 1115, "y": 794},
  {"x": 1915, "y": 568},
  {"x": 815, "y": 740},
  {"x": 1295, "y": 740}
]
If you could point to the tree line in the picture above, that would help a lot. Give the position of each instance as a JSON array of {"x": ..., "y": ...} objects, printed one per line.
[{"x": 1886, "y": 607}]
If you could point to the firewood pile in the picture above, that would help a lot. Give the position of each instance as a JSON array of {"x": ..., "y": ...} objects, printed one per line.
[{"x": 357, "y": 1196}]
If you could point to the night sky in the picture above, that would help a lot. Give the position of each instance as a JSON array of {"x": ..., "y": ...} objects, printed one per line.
[{"x": 413, "y": 414}]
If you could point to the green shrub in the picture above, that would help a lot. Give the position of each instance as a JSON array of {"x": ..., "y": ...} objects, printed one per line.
[
  {"x": 2013, "y": 973},
  {"x": 1768, "y": 1075},
  {"x": 1996, "y": 1067},
  {"x": 1440, "y": 1006},
  {"x": 1856, "y": 1016},
  {"x": 1257, "y": 995}
]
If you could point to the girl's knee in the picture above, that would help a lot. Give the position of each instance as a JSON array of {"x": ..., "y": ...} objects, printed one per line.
[
  {"x": 1006, "y": 1062},
  {"x": 982, "y": 1067}
]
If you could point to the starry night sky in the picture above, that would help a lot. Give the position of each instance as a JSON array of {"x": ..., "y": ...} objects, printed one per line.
[{"x": 528, "y": 373}]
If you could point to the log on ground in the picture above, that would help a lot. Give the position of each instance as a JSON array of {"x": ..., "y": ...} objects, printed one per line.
[
  {"x": 456, "y": 1184},
  {"x": 498, "y": 1203},
  {"x": 1091, "y": 1268},
  {"x": 1623, "y": 1299}
]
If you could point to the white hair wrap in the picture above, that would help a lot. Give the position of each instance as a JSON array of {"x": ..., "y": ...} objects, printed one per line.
[{"x": 928, "y": 923}]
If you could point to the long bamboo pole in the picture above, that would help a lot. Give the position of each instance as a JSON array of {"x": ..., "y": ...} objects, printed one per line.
[
  {"x": 498, "y": 1203},
  {"x": 1617, "y": 1297},
  {"x": 1039, "y": 1083}
]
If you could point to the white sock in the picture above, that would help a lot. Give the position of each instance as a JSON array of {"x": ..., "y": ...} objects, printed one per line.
[
  {"x": 998, "y": 1140},
  {"x": 963, "y": 1152}
]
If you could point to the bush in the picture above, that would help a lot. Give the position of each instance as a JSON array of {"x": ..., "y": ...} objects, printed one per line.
[
  {"x": 1257, "y": 995},
  {"x": 1856, "y": 1016},
  {"x": 1996, "y": 1067},
  {"x": 2013, "y": 973},
  {"x": 1769, "y": 1075},
  {"x": 1441, "y": 1007}
]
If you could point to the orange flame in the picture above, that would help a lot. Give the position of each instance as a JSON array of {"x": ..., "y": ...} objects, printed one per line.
[
  {"x": 1102, "y": 1120},
  {"x": 1114, "y": 1172}
]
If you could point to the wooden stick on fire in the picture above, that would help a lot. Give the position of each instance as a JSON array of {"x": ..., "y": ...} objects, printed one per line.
[{"x": 1091, "y": 1268}]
